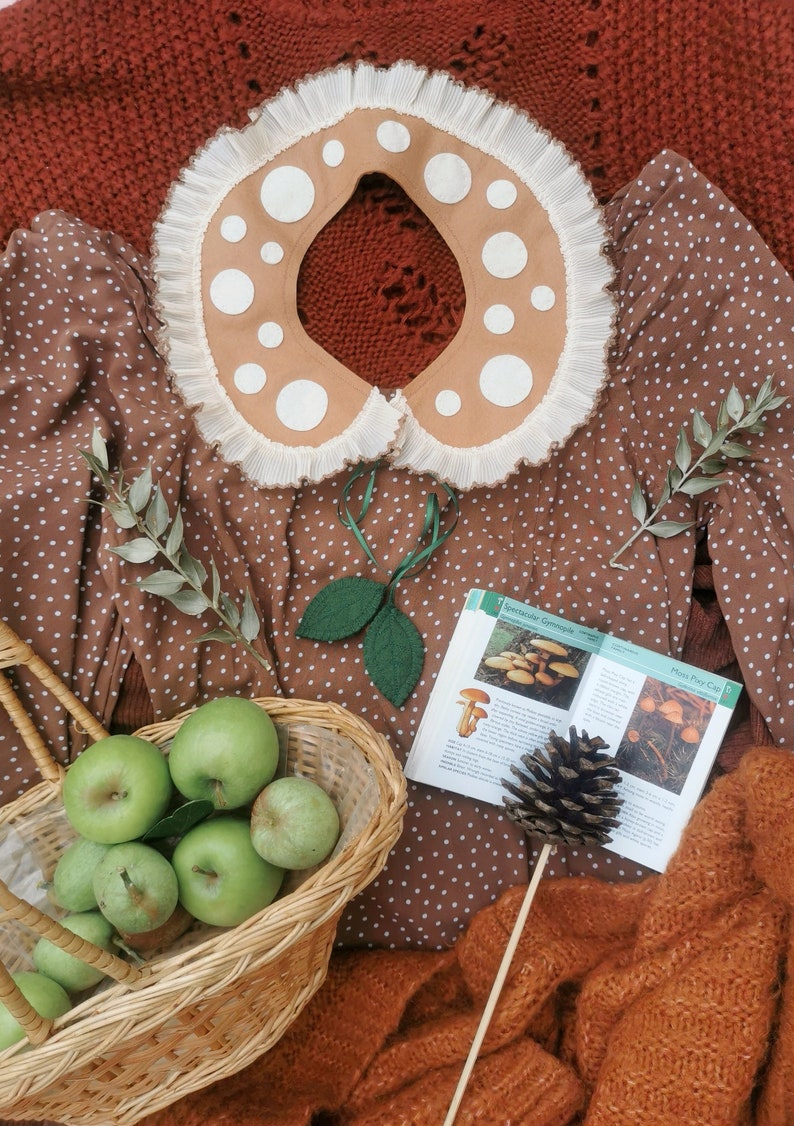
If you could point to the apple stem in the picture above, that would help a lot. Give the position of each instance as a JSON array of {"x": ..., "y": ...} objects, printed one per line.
[
  {"x": 217, "y": 788},
  {"x": 138, "y": 897}
]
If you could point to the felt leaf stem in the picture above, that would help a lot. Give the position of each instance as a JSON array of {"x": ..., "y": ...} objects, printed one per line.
[
  {"x": 393, "y": 649},
  {"x": 690, "y": 475},
  {"x": 139, "y": 506}
]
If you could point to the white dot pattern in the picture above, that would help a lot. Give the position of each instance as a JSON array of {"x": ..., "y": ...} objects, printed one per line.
[
  {"x": 702, "y": 304},
  {"x": 393, "y": 136},
  {"x": 250, "y": 378},
  {"x": 287, "y": 193},
  {"x": 447, "y": 177},
  {"x": 504, "y": 254},
  {"x": 232, "y": 292}
]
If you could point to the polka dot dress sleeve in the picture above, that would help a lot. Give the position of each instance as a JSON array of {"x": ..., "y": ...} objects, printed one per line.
[
  {"x": 704, "y": 306},
  {"x": 73, "y": 335}
]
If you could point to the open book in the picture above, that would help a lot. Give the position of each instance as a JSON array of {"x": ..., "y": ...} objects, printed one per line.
[{"x": 512, "y": 674}]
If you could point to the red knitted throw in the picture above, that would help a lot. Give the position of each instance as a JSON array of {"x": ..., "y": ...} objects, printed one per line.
[{"x": 100, "y": 106}]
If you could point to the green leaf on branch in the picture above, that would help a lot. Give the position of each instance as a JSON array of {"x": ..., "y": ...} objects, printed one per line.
[
  {"x": 218, "y": 634},
  {"x": 142, "y": 506},
  {"x": 122, "y": 515},
  {"x": 736, "y": 449},
  {"x": 230, "y": 611},
  {"x": 164, "y": 583},
  {"x": 697, "y": 485},
  {"x": 156, "y": 518},
  {"x": 192, "y": 568},
  {"x": 98, "y": 449},
  {"x": 190, "y": 602},
  {"x": 249, "y": 622},
  {"x": 140, "y": 490},
  {"x": 136, "y": 551},
  {"x": 693, "y": 478},
  {"x": 639, "y": 506},
  {"x": 701, "y": 431},
  {"x": 734, "y": 405},
  {"x": 683, "y": 452},
  {"x": 173, "y": 541},
  {"x": 666, "y": 529}
]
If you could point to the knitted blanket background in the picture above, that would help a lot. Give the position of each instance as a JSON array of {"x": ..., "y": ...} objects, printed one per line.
[{"x": 100, "y": 106}]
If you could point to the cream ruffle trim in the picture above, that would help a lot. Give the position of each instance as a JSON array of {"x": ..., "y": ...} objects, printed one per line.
[{"x": 387, "y": 426}]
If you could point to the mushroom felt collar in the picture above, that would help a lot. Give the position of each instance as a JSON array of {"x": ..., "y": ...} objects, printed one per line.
[{"x": 529, "y": 360}]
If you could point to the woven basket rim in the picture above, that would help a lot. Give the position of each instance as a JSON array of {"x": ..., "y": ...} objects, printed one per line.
[{"x": 261, "y": 939}]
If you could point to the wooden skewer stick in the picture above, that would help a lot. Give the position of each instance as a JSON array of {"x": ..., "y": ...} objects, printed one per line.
[{"x": 499, "y": 981}]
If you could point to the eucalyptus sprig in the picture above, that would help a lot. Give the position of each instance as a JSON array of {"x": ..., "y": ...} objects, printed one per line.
[
  {"x": 695, "y": 475},
  {"x": 140, "y": 505}
]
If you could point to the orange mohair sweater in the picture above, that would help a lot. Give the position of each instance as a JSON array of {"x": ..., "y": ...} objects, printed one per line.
[{"x": 662, "y": 1003}]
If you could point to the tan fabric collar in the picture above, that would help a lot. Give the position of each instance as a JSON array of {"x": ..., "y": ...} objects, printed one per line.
[{"x": 528, "y": 362}]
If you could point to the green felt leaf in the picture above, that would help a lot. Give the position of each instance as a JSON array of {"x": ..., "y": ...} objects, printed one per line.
[
  {"x": 176, "y": 824},
  {"x": 393, "y": 654},
  {"x": 341, "y": 608}
]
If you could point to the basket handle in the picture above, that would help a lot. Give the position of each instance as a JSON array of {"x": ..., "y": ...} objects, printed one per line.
[
  {"x": 36, "y": 1027},
  {"x": 46, "y": 927},
  {"x": 15, "y": 651}
]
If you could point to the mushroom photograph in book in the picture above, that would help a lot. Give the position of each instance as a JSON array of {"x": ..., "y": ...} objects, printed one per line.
[
  {"x": 472, "y": 701},
  {"x": 539, "y": 668},
  {"x": 663, "y": 735}
]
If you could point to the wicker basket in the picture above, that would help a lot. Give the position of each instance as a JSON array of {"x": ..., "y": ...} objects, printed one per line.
[{"x": 217, "y": 999}]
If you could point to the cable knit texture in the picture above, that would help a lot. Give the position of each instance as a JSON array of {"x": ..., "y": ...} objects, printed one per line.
[{"x": 656, "y": 1004}]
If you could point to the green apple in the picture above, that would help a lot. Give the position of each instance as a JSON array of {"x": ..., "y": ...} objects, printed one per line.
[
  {"x": 73, "y": 878},
  {"x": 294, "y": 823},
  {"x": 67, "y": 969},
  {"x": 48, "y": 998},
  {"x": 222, "y": 879},
  {"x": 146, "y": 942},
  {"x": 136, "y": 887},
  {"x": 116, "y": 789},
  {"x": 226, "y": 750}
]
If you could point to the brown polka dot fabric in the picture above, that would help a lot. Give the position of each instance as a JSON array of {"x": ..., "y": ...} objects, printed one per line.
[{"x": 702, "y": 304}]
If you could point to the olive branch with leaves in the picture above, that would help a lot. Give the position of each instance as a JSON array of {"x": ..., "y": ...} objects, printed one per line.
[
  {"x": 692, "y": 475},
  {"x": 139, "y": 505}
]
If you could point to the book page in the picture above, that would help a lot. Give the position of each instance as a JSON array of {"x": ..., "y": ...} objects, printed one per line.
[{"x": 513, "y": 674}]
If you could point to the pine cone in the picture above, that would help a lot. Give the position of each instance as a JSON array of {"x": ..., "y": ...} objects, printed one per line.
[{"x": 567, "y": 793}]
